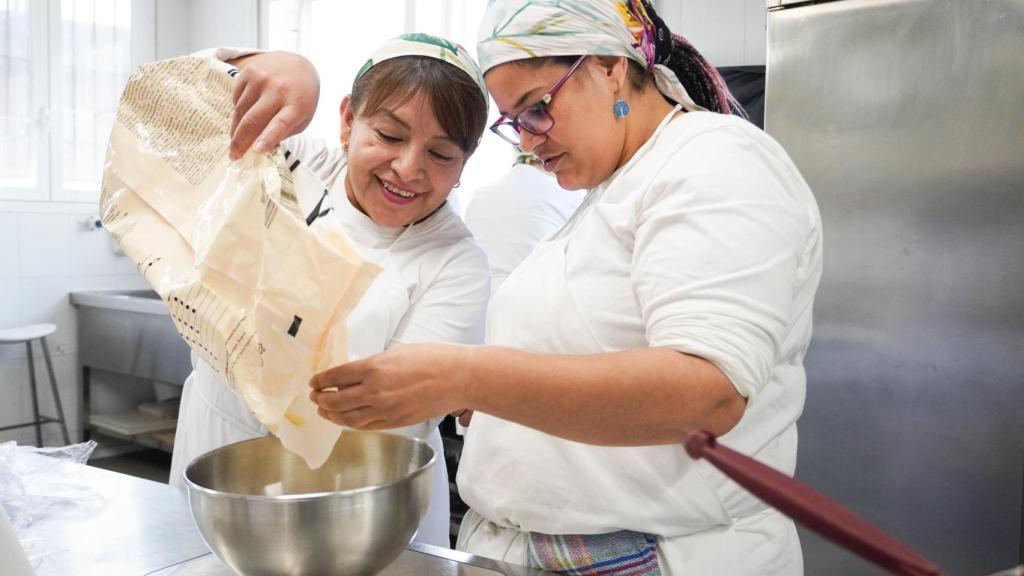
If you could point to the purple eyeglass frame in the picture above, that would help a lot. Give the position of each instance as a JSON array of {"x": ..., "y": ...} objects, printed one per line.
[{"x": 541, "y": 106}]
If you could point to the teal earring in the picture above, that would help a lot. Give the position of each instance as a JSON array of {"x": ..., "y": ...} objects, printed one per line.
[{"x": 621, "y": 108}]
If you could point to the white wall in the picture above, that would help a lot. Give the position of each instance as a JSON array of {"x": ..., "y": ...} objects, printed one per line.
[
  {"x": 726, "y": 32},
  {"x": 184, "y": 26},
  {"x": 223, "y": 23},
  {"x": 172, "y": 28},
  {"x": 46, "y": 252}
]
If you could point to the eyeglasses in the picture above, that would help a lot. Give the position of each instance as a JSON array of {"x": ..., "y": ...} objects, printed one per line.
[{"x": 536, "y": 119}]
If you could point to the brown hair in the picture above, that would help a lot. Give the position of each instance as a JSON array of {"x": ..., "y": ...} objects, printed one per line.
[{"x": 455, "y": 98}]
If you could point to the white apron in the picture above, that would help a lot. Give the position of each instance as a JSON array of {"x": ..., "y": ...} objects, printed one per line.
[
  {"x": 541, "y": 316},
  {"x": 213, "y": 415}
]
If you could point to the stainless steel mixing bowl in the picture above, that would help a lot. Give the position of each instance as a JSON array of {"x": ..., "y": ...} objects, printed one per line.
[{"x": 264, "y": 512}]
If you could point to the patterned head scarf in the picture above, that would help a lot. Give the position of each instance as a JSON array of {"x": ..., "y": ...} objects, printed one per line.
[
  {"x": 418, "y": 44},
  {"x": 520, "y": 29}
]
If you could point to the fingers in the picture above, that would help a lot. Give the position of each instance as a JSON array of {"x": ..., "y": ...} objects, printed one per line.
[
  {"x": 245, "y": 95},
  {"x": 341, "y": 376},
  {"x": 279, "y": 127},
  {"x": 359, "y": 419},
  {"x": 463, "y": 416},
  {"x": 253, "y": 108},
  {"x": 240, "y": 79},
  {"x": 261, "y": 120},
  {"x": 274, "y": 97},
  {"x": 341, "y": 400},
  {"x": 252, "y": 125}
]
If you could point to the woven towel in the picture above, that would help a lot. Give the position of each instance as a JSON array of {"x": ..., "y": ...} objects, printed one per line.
[{"x": 619, "y": 553}]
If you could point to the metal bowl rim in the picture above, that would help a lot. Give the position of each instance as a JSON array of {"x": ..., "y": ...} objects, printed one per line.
[{"x": 311, "y": 495}]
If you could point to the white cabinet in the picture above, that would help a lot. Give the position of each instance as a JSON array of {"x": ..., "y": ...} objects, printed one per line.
[{"x": 726, "y": 32}]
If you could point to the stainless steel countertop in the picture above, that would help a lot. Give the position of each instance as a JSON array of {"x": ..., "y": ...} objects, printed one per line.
[
  {"x": 129, "y": 526},
  {"x": 117, "y": 524},
  {"x": 142, "y": 301},
  {"x": 417, "y": 560}
]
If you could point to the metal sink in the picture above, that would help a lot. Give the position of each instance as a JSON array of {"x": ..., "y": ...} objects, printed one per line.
[
  {"x": 141, "y": 301},
  {"x": 147, "y": 294},
  {"x": 129, "y": 332}
]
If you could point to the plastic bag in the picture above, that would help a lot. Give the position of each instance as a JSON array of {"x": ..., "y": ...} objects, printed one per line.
[
  {"x": 16, "y": 561},
  {"x": 31, "y": 486},
  {"x": 256, "y": 291}
]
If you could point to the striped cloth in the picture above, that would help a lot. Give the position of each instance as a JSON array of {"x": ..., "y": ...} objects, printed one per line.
[
  {"x": 622, "y": 553},
  {"x": 419, "y": 44}
]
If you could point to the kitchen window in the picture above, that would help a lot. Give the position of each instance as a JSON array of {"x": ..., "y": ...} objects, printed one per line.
[{"x": 63, "y": 64}]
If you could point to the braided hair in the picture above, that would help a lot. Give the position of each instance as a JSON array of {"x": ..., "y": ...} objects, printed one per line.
[{"x": 702, "y": 82}]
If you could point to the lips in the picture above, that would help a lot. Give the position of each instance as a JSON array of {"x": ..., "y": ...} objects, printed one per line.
[
  {"x": 551, "y": 162},
  {"x": 396, "y": 195}
]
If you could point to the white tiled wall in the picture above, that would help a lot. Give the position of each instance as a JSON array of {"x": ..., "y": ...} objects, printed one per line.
[{"x": 43, "y": 256}]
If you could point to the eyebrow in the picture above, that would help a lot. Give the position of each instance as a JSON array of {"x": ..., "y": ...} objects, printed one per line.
[
  {"x": 522, "y": 100},
  {"x": 397, "y": 120}
]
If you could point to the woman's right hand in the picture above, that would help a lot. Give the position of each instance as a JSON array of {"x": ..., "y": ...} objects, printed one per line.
[{"x": 275, "y": 97}]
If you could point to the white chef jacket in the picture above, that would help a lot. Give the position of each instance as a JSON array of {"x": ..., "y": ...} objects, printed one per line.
[
  {"x": 433, "y": 287},
  {"x": 707, "y": 241},
  {"x": 510, "y": 215}
]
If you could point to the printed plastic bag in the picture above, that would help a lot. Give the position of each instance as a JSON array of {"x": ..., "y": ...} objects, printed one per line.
[{"x": 256, "y": 292}]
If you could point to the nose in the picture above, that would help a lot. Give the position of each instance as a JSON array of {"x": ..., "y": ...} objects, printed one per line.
[
  {"x": 528, "y": 141},
  {"x": 408, "y": 163}
]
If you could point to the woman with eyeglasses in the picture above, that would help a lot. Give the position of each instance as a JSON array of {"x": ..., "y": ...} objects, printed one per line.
[{"x": 678, "y": 297}]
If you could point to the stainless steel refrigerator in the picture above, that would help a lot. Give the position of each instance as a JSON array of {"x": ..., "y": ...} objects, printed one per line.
[{"x": 907, "y": 119}]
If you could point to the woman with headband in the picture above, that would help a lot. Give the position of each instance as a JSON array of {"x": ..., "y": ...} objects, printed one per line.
[
  {"x": 677, "y": 297},
  {"x": 415, "y": 115}
]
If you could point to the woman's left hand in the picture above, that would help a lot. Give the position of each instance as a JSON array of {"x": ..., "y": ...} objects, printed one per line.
[{"x": 402, "y": 386}]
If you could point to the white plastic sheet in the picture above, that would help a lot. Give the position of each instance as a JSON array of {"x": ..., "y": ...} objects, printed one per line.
[{"x": 31, "y": 486}]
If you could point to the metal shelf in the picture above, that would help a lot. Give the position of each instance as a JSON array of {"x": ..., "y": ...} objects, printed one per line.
[{"x": 132, "y": 425}]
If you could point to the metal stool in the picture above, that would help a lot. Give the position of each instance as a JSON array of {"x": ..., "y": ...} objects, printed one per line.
[{"x": 27, "y": 334}]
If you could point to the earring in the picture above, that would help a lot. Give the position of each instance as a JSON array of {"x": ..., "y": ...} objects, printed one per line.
[
  {"x": 621, "y": 108},
  {"x": 344, "y": 147}
]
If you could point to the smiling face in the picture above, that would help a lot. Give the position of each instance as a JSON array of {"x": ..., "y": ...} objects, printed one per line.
[
  {"x": 409, "y": 126},
  {"x": 585, "y": 146},
  {"x": 401, "y": 164}
]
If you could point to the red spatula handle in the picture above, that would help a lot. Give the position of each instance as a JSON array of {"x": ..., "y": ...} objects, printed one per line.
[{"x": 811, "y": 508}]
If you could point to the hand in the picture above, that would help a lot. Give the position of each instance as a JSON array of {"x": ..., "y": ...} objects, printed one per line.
[
  {"x": 463, "y": 416},
  {"x": 275, "y": 96},
  {"x": 402, "y": 386}
]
